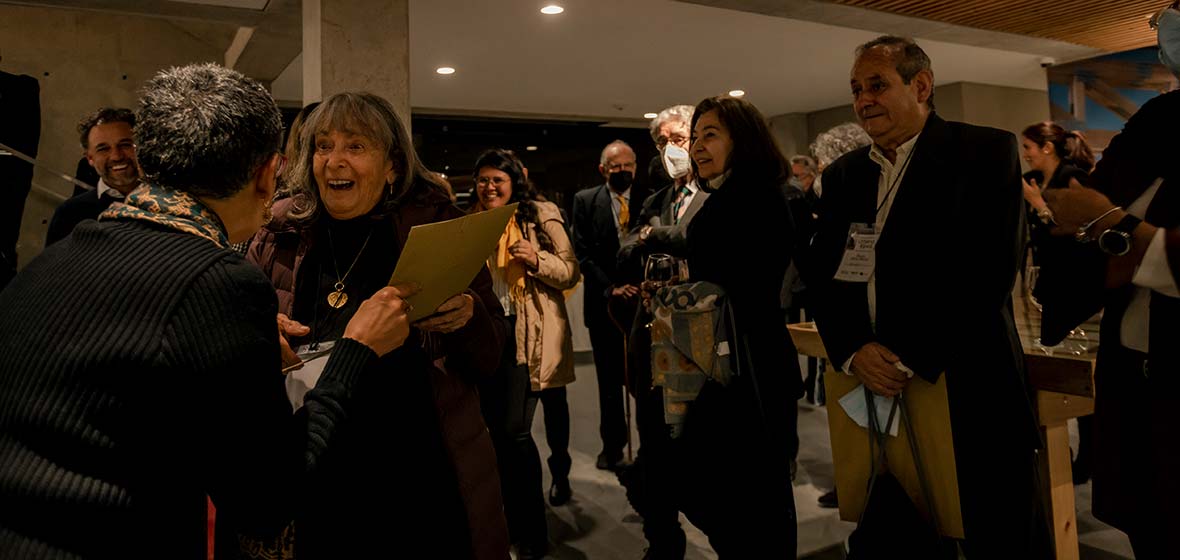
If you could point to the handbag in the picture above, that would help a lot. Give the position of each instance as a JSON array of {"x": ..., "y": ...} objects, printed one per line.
[
  {"x": 891, "y": 526},
  {"x": 690, "y": 345}
]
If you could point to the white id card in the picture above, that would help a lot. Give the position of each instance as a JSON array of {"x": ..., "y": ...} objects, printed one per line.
[{"x": 859, "y": 254}]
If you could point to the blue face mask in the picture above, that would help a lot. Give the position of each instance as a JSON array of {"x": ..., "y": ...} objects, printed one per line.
[{"x": 1168, "y": 34}]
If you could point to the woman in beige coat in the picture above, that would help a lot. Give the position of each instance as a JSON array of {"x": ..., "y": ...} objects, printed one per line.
[{"x": 531, "y": 266}]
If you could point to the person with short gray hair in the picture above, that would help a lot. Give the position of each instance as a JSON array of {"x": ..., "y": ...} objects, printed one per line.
[
  {"x": 143, "y": 371},
  {"x": 837, "y": 141}
]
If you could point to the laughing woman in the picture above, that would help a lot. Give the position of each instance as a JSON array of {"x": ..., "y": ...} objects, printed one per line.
[
  {"x": 415, "y": 470},
  {"x": 532, "y": 264}
]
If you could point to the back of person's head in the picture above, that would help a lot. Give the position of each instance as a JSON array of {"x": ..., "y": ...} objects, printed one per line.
[
  {"x": 837, "y": 141},
  {"x": 755, "y": 155},
  {"x": 909, "y": 59},
  {"x": 205, "y": 129},
  {"x": 292, "y": 149},
  {"x": 104, "y": 115},
  {"x": 1069, "y": 145},
  {"x": 373, "y": 117}
]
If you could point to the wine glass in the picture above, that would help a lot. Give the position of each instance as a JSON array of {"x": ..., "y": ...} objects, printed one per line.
[
  {"x": 1031, "y": 275},
  {"x": 659, "y": 271}
]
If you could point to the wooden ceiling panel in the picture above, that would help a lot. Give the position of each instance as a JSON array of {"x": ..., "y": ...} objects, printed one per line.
[{"x": 1109, "y": 25}]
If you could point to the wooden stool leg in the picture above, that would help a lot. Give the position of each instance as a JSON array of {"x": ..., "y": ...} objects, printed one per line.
[{"x": 1055, "y": 467}]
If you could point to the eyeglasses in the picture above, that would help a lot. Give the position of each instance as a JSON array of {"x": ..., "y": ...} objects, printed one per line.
[
  {"x": 495, "y": 181},
  {"x": 1154, "y": 22},
  {"x": 676, "y": 139}
]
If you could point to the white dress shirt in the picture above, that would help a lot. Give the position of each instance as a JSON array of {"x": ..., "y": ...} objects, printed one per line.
[
  {"x": 889, "y": 182},
  {"x": 105, "y": 189},
  {"x": 1152, "y": 274}
]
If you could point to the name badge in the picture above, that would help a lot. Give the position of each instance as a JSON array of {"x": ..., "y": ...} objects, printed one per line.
[{"x": 860, "y": 255}]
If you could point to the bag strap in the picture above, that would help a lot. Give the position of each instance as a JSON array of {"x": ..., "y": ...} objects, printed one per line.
[
  {"x": 900, "y": 402},
  {"x": 876, "y": 440}
]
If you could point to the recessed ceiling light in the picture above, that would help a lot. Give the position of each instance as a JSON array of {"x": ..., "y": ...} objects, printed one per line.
[
  {"x": 552, "y": 10},
  {"x": 530, "y": 148},
  {"x": 736, "y": 93},
  {"x": 445, "y": 70},
  {"x": 650, "y": 115}
]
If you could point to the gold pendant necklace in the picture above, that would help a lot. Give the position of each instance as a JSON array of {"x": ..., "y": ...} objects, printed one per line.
[{"x": 338, "y": 298}]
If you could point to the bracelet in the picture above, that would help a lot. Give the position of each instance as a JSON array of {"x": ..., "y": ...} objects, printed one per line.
[{"x": 1083, "y": 234}]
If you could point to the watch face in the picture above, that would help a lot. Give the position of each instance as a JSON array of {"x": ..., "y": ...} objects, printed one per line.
[{"x": 1114, "y": 242}]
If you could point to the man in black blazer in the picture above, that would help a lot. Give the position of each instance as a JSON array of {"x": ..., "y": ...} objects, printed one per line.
[
  {"x": 107, "y": 143},
  {"x": 944, "y": 199},
  {"x": 603, "y": 216}
]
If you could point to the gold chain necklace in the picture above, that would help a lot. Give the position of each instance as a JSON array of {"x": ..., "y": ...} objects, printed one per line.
[{"x": 338, "y": 298}]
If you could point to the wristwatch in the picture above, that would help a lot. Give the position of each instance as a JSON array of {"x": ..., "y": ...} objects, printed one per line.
[
  {"x": 1116, "y": 241},
  {"x": 644, "y": 232}
]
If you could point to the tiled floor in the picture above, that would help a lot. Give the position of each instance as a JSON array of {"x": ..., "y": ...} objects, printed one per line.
[{"x": 599, "y": 524}]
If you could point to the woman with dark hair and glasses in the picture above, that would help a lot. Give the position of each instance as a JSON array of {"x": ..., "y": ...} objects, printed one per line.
[
  {"x": 531, "y": 266},
  {"x": 742, "y": 239},
  {"x": 416, "y": 467}
]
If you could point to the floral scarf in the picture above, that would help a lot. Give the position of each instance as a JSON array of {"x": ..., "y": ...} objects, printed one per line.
[{"x": 171, "y": 208}]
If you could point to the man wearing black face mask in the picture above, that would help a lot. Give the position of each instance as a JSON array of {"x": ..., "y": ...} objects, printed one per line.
[{"x": 602, "y": 217}]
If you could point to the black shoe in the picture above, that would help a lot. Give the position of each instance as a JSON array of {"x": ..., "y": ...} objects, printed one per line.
[
  {"x": 1081, "y": 471},
  {"x": 608, "y": 462},
  {"x": 828, "y": 500},
  {"x": 560, "y": 493}
]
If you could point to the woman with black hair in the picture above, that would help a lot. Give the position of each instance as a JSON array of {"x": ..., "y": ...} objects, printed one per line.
[
  {"x": 742, "y": 239},
  {"x": 1055, "y": 155},
  {"x": 531, "y": 266}
]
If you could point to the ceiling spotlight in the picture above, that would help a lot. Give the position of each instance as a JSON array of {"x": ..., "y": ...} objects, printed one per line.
[
  {"x": 445, "y": 70},
  {"x": 736, "y": 93},
  {"x": 650, "y": 115},
  {"x": 552, "y": 10},
  {"x": 530, "y": 148}
]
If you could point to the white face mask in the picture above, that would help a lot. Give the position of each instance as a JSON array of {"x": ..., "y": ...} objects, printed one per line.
[
  {"x": 676, "y": 161},
  {"x": 1168, "y": 34}
]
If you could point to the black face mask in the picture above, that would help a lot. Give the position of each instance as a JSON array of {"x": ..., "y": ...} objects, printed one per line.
[{"x": 620, "y": 180}]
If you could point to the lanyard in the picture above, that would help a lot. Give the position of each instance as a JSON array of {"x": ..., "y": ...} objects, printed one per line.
[{"x": 901, "y": 173}]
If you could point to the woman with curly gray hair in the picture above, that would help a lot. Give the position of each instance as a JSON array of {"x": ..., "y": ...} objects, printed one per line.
[{"x": 835, "y": 142}]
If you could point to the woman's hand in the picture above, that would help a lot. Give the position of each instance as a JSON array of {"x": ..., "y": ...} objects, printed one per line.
[
  {"x": 381, "y": 323},
  {"x": 523, "y": 251},
  {"x": 451, "y": 316},
  {"x": 1032, "y": 195},
  {"x": 289, "y": 328}
]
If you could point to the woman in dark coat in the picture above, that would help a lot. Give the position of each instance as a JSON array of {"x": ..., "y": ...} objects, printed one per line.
[
  {"x": 415, "y": 469},
  {"x": 743, "y": 239}
]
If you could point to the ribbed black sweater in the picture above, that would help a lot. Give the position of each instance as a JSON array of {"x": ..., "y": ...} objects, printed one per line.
[{"x": 139, "y": 371}]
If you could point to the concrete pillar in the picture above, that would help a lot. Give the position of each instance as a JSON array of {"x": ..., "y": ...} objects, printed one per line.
[{"x": 357, "y": 45}]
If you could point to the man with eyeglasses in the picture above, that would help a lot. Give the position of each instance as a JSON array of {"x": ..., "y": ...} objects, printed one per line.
[
  {"x": 109, "y": 147},
  {"x": 1132, "y": 213},
  {"x": 665, "y": 217},
  {"x": 603, "y": 216}
]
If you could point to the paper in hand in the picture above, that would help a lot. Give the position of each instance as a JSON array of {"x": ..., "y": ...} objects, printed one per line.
[
  {"x": 443, "y": 257},
  {"x": 855, "y": 405}
]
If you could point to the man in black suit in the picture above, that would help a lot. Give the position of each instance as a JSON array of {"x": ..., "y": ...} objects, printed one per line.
[
  {"x": 109, "y": 147},
  {"x": 941, "y": 203},
  {"x": 602, "y": 218}
]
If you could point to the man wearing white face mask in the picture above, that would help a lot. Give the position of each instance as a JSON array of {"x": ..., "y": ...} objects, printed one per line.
[
  {"x": 665, "y": 217},
  {"x": 1132, "y": 213}
]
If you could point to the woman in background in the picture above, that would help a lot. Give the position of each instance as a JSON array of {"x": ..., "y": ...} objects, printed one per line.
[{"x": 531, "y": 266}]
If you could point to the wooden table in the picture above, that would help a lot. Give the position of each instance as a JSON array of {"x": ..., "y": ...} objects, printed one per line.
[{"x": 1064, "y": 385}]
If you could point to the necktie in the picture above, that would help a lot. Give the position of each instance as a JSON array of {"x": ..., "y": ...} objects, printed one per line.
[
  {"x": 679, "y": 208},
  {"x": 624, "y": 214}
]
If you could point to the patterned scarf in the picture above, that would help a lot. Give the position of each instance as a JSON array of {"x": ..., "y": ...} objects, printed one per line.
[
  {"x": 173, "y": 209},
  {"x": 512, "y": 269}
]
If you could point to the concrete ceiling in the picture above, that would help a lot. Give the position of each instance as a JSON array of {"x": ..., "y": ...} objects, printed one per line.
[
  {"x": 618, "y": 59},
  {"x": 614, "y": 60}
]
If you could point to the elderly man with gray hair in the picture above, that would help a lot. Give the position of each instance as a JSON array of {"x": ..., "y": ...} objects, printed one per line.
[
  {"x": 122, "y": 413},
  {"x": 665, "y": 217}
]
